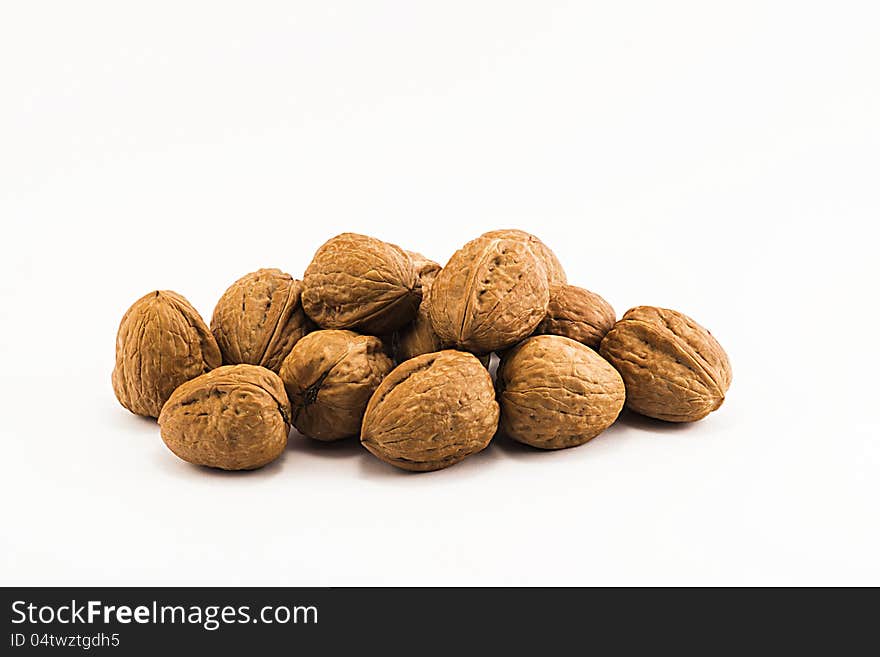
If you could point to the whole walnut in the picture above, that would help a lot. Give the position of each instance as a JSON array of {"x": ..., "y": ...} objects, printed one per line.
[
  {"x": 235, "y": 417},
  {"x": 329, "y": 377},
  {"x": 578, "y": 314},
  {"x": 360, "y": 283},
  {"x": 431, "y": 412},
  {"x": 418, "y": 337},
  {"x": 673, "y": 368},
  {"x": 425, "y": 268},
  {"x": 555, "y": 272},
  {"x": 161, "y": 343},
  {"x": 259, "y": 319},
  {"x": 556, "y": 393},
  {"x": 492, "y": 293}
]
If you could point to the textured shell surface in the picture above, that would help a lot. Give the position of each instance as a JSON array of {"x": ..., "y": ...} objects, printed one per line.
[
  {"x": 330, "y": 376},
  {"x": 674, "y": 369},
  {"x": 431, "y": 412},
  {"x": 360, "y": 283},
  {"x": 557, "y": 393},
  {"x": 578, "y": 314},
  {"x": 555, "y": 272},
  {"x": 235, "y": 417},
  {"x": 418, "y": 337},
  {"x": 259, "y": 319},
  {"x": 162, "y": 342},
  {"x": 425, "y": 268},
  {"x": 491, "y": 294}
]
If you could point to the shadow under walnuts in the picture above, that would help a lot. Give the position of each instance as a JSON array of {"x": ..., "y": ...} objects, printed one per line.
[
  {"x": 473, "y": 465},
  {"x": 615, "y": 434},
  {"x": 269, "y": 470},
  {"x": 517, "y": 450},
  {"x": 501, "y": 446},
  {"x": 634, "y": 420},
  {"x": 336, "y": 449}
]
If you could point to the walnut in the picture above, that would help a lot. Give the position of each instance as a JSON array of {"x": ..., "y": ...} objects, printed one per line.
[
  {"x": 235, "y": 417},
  {"x": 161, "y": 343},
  {"x": 555, "y": 272},
  {"x": 329, "y": 377},
  {"x": 673, "y": 368},
  {"x": 431, "y": 412},
  {"x": 425, "y": 268},
  {"x": 259, "y": 319},
  {"x": 492, "y": 293},
  {"x": 555, "y": 393},
  {"x": 578, "y": 314},
  {"x": 360, "y": 283},
  {"x": 418, "y": 337}
]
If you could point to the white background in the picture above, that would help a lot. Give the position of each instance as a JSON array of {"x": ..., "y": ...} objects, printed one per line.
[{"x": 718, "y": 158}]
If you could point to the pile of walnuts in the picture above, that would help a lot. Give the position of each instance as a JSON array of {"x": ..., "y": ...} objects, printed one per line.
[{"x": 386, "y": 346}]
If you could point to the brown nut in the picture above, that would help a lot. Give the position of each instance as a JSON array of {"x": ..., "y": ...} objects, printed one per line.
[
  {"x": 578, "y": 314},
  {"x": 259, "y": 319},
  {"x": 492, "y": 293},
  {"x": 555, "y": 272},
  {"x": 360, "y": 283},
  {"x": 161, "y": 343},
  {"x": 418, "y": 337},
  {"x": 431, "y": 412},
  {"x": 673, "y": 368},
  {"x": 425, "y": 269},
  {"x": 235, "y": 417},
  {"x": 555, "y": 393},
  {"x": 329, "y": 377}
]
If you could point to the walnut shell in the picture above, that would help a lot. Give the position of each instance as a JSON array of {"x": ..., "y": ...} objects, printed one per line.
[
  {"x": 161, "y": 343},
  {"x": 329, "y": 377},
  {"x": 425, "y": 268},
  {"x": 418, "y": 337},
  {"x": 492, "y": 293},
  {"x": 235, "y": 417},
  {"x": 431, "y": 412},
  {"x": 673, "y": 368},
  {"x": 578, "y": 314},
  {"x": 555, "y": 272},
  {"x": 556, "y": 393},
  {"x": 360, "y": 283},
  {"x": 259, "y": 319}
]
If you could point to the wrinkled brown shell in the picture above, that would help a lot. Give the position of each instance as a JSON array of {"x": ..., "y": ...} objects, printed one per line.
[
  {"x": 673, "y": 368},
  {"x": 578, "y": 314},
  {"x": 329, "y": 377},
  {"x": 556, "y": 393},
  {"x": 555, "y": 272},
  {"x": 492, "y": 293},
  {"x": 235, "y": 417},
  {"x": 425, "y": 269},
  {"x": 360, "y": 283},
  {"x": 418, "y": 337},
  {"x": 259, "y": 319},
  {"x": 161, "y": 343},
  {"x": 431, "y": 412}
]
